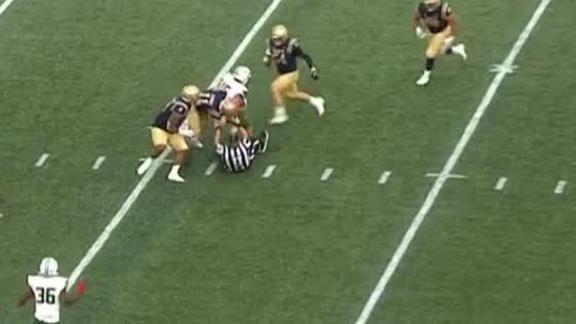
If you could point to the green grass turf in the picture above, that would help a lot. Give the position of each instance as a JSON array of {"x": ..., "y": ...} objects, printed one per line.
[{"x": 241, "y": 249}]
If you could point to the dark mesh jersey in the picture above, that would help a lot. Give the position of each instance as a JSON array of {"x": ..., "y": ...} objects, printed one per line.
[
  {"x": 285, "y": 56},
  {"x": 174, "y": 113},
  {"x": 210, "y": 101},
  {"x": 436, "y": 20}
]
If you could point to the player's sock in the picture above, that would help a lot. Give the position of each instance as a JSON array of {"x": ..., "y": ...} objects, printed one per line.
[
  {"x": 449, "y": 50},
  {"x": 280, "y": 111},
  {"x": 429, "y": 64},
  {"x": 280, "y": 116}
]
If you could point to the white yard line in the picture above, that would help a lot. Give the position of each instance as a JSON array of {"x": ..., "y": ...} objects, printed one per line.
[
  {"x": 5, "y": 6},
  {"x": 448, "y": 167},
  {"x": 98, "y": 163},
  {"x": 326, "y": 174},
  {"x": 43, "y": 158},
  {"x": 101, "y": 240},
  {"x": 269, "y": 171},
  {"x": 384, "y": 177},
  {"x": 560, "y": 186},
  {"x": 211, "y": 168},
  {"x": 500, "y": 183}
]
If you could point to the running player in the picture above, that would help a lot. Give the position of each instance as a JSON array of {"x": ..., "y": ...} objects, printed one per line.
[
  {"x": 169, "y": 129},
  {"x": 435, "y": 20},
  {"x": 46, "y": 289},
  {"x": 284, "y": 52}
]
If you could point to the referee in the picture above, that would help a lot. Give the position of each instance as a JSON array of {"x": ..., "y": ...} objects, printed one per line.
[{"x": 238, "y": 157}]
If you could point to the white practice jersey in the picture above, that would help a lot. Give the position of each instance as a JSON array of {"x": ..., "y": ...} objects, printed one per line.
[
  {"x": 231, "y": 86},
  {"x": 47, "y": 292}
]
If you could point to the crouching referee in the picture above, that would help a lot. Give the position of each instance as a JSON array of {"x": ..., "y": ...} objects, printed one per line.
[{"x": 238, "y": 156}]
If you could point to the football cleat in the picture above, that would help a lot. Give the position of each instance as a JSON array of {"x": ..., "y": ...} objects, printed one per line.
[
  {"x": 318, "y": 103},
  {"x": 175, "y": 177},
  {"x": 460, "y": 49},
  {"x": 424, "y": 79},
  {"x": 278, "y": 119},
  {"x": 144, "y": 166},
  {"x": 264, "y": 138},
  {"x": 195, "y": 142}
]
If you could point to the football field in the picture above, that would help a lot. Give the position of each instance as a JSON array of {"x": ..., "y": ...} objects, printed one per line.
[{"x": 451, "y": 203}]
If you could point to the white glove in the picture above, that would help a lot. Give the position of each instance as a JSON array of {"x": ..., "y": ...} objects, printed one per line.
[
  {"x": 420, "y": 33},
  {"x": 186, "y": 132}
]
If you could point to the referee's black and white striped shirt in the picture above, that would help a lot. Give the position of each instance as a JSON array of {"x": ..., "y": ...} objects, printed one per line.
[{"x": 238, "y": 157}]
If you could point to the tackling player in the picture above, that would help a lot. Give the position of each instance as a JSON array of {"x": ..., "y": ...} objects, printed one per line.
[
  {"x": 435, "y": 20},
  {"x": 47, "y": 288},
  {"x": 284, "y": 52},
  {"x": 169, "y": 128}
]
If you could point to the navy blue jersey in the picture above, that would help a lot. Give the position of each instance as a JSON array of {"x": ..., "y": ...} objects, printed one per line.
[
  {"x": 285, "y": 55},
  {"x": 435, "y": 18},
  {"x": 174, "y": 113},
  {"x": 210, "y": 101}
]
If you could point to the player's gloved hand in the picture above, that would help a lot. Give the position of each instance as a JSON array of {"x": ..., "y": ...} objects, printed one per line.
[
  {"x": 266, "y": 60},
  {"x": 81, "y": 288},
  {"x": 420, "y": 33},
  {"x": 314, "y": 73}
]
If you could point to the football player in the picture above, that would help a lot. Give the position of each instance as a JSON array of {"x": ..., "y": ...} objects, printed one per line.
[
  {"x": 169, "y": 129},
  {"x": 435, "y": 20},
  {"x": 284, "y": 52},
  {"x": 220, "y": 106},
  {"x": 235, "y": 81},
  {"x": 47, "y": 288}
]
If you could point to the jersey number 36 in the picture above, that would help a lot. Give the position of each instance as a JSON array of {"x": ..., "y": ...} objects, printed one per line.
[{"x": 45, "y": 295}]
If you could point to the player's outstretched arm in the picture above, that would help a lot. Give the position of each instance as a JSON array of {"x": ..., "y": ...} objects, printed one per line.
[
  {"x": 69, "y": 298},
  {"x": 25, "y": 297},
  {"x": 453, "y": 22}
]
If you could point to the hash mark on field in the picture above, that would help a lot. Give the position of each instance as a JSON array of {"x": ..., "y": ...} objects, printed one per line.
[
  {"x": 165, "y": 161},
  {"x": 326, "y": 174},
  {"x": 500, "y": 183},
  {"x": 384, "y": 177},
  {"x": 42, "y": 160},
  {"x": 269, "y": 171},
  {"x": 211, "y": 168},
  {"x": 98, "y": 163},
  {"x": 450, "y": 176},
  {"x": 560, "y": 187}
]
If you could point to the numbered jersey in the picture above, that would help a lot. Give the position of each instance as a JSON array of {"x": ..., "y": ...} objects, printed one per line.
[
  {"x": 285, "y": 56},
  {"x": 435, "y": 19},
  {"x": 47, "y": 292},
  {"x": 172, "y": 115}
]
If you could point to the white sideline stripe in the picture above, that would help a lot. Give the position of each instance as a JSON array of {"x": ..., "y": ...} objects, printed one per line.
[
  {"x": 269, "y": 171},
  {"x": 5, "y": 6},
  {"x": 156, "y": 164},
  {"x": 453, "y": 176},
  {"x": 500, "y": 183},
  {"x": 560, "y": 187},
  {"x": 384, "y": 177},
  {"x": 326, "y": 174},
  {"x": 165, "y": 161},
  {"x": 98, "y": 163},
  {"x": 43, "y": 158},
  {"x": 452, "y": 160},
  {"x": 211, "y": 168}
]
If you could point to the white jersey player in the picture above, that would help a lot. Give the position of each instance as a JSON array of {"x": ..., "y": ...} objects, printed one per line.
[
  {"x": 235, "y": 82},
  {"x": 46, "y": 289}
]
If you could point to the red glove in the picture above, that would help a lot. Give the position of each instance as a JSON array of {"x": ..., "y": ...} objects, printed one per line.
[{"x": 81, "y": 288}]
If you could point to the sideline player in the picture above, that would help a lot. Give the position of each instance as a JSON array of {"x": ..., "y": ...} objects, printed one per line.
[
  {"x": 168, "y": 129},
  {"x": 284, "y": 51},
  {"x": 46, "y": 289},
  {"x": 435, "y": 20},
  {"x": 238, "y": 157}
]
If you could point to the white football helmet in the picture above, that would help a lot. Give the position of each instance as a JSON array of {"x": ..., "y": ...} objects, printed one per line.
[
  {"x": 242, "y": 74},
  {"x": 48, "y": 267}
]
